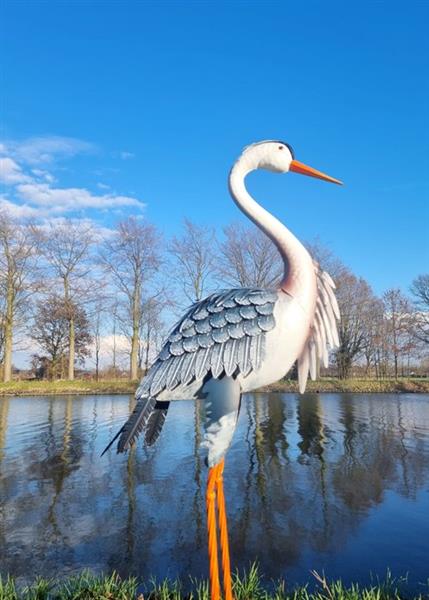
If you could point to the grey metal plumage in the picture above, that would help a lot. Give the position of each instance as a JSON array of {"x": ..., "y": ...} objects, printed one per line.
[{"x": 223, "y": 334}]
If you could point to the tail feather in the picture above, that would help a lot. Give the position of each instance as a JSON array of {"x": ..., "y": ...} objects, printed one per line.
[
  {"x": 135, "y": 424},
  {"x": 156, "y": 422}
]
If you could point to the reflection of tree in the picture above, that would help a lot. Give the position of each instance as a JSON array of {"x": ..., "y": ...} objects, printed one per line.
[
  {"x": 4, "y": 411},
  {"x": 301, "y": 475},
  {"x": 311, "y": 430},
  {"x": 198, "y": 495},
  {"x": 310, "y": 425}
]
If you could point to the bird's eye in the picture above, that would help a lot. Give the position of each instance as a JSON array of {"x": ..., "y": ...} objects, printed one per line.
[{"x": 281, "y": 147}]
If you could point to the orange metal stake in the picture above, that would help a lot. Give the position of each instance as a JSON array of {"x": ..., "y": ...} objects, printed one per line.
[
  {"x": 223, "y": 527},
  {"x": 212, "y": 534},
  {"x": 215, "y": 491}
]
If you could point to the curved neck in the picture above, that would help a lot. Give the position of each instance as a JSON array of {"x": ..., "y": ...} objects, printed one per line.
[{"x": 299, "y": 278}]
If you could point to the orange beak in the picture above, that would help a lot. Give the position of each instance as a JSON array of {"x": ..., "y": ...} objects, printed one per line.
[{"x": 299, "y": 167}]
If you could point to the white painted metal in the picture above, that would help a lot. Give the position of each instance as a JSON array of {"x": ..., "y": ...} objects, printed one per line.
[{"x": 300, "y": 324}]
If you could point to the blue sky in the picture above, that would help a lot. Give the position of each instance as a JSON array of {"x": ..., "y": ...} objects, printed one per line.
[{"x": 115, "y": 108}]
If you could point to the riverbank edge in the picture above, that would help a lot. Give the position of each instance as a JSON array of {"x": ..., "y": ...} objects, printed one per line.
[
  {"x": 247, "y": 586},
  {"x": 120, "y": 387}
]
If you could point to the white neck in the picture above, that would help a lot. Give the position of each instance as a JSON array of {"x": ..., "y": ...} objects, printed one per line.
[{"x": 299, "y": 277}]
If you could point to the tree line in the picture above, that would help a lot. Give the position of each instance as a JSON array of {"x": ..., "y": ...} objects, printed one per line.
[{"x": 71, "y": 290}]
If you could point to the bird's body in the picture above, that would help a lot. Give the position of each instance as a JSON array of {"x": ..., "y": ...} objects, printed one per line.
[{"x": 238, "y": 340}]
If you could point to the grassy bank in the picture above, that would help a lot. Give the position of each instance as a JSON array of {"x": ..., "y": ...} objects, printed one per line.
[
  {"x": 408, "y": 385},
  {"x": 248, "y": 587},
  {"x": 78, "y": 386},
  {"x": 123, "y": 386}
]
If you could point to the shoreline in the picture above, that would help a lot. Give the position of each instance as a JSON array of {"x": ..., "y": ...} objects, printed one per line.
[{"x": 119, "y": 387}]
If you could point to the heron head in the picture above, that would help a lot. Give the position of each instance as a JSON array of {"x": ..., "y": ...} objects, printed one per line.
[{"x": 279, "y": 157}]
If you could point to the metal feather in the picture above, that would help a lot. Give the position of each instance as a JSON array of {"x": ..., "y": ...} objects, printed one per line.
[
  {"x": 232, "y": 315},
  {"x": 203, "y": 326},
  {"x": 248, "y": 312},
  {"x": 156, "y": 422},
  {"x": 185, "y": 324},
  {"x": 216, "y": 361},
  {"x": 175, "y": 336},
  {"x": 241, "y": 296},
  {"x": 202, "y": 363},
  {"x": 266, "y": 322},
  {"x": 205, "y": 340},
  {"x": 173, "y": 376},
  {"x": 220, "y": 335},
  {"x": 251, "y": 327},
  {"x": 236, "y": 330},
  {"x": 265, "y": 309},
  {"x": 229, "y": 357},
  {"x": 217, "y": 320},
  {"x": 189, "y": 331},
  {"x": 158, "y": 381},
  {"x": 176, "y": 348},
  {"x": 136, "y": 423},
  {"x": 191, "y": 344},
  {"x": 246, "y": 364},
  {"x": 202, "y": 313},
  {"x": 165, "y": 352}
]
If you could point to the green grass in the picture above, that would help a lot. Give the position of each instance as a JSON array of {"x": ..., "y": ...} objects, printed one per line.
[
  {"x": 78, "y": 386},
  {"x": 124, "y": 386},
  {"x": 248, "y": 586},
  {"x": 357, "y": 386}
]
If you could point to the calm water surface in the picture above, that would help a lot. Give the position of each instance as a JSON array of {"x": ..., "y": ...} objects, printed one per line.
[{"x": 333, "y": 482}]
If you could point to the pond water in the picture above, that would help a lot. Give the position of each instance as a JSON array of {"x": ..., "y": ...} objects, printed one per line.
[{"x": 333, "y": 482}]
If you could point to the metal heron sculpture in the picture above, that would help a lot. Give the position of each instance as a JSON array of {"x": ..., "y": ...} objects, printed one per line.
[{"x": 238, "y": 340}]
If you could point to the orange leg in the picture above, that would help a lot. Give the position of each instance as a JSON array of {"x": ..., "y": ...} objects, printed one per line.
[
  {"x": 215, "y": 488},
  {"x": 224, "y": 542},
  {"x": 212, "y": 533}
]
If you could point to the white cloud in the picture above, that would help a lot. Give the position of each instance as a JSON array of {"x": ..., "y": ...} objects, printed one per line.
[
  {"x": 70, "y": 199},
  {"x": 20, "y": 211},
  {"x": 11, "y": 173},
  {"x": 126, "y": 155},
  {"x": 33, "y": 191},
  {"x": 44, "y": 175},
  {"x": 46, "y": 149}
]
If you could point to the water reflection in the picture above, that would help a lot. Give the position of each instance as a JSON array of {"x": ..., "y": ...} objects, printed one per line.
[{"x": 319, "y": 481}]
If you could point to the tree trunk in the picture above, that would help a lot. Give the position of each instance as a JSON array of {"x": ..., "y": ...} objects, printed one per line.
[
  {"x": 135, "y": 339},
  {"x": 71, "y": 330},
  {"x": 71, "y": 350},
  {"x": 344, "y": 365},
  {"x": 134, "y": 354},
  {"x": 8, "y": 335}
]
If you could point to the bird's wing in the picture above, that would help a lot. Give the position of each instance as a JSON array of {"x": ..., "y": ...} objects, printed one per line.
[
  {"x": 222, "y": 334},
  {"x": 323, "y": 332}
]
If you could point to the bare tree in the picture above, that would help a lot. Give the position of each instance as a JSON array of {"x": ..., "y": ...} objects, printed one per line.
[
  {"x": 151, "y": 329},
  {"x": 17, "y": 254},
  {"x": 357, "y": 305},
  {"x": 132, "y": 257},
  {"x": 98, "y": 310},
  {"x": 420, "y": 291},
  {"x": 374, "y": 347},
  {"x": 193, "y": 259},
  {"x": 247, "y": 257},
  {"x": 400, "y": 322},
  {"x": 66, "y": 246}
]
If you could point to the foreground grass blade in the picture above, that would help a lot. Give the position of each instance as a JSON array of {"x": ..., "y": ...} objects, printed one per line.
[{"x": 247, "y": 586}]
